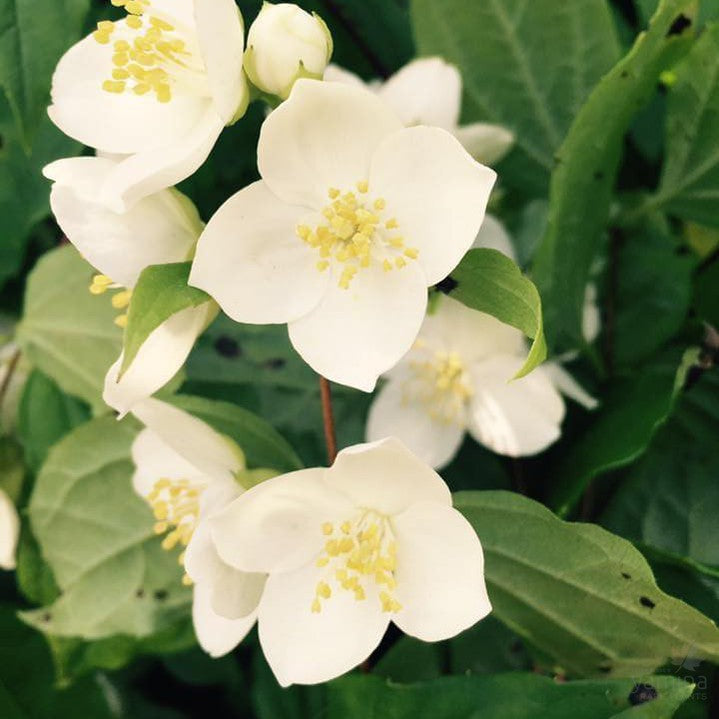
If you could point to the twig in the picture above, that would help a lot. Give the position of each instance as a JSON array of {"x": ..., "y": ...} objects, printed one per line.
[{"x": 329, "y": 420}]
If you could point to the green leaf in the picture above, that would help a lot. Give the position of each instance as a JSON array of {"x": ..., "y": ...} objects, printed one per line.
[
  {"x": 97, "y": 536},
  {"x": 262, "y": 445},
  {"x": 653, "y": 281},
  {"x": 583, "y": 596},
  {"x": 670, "y": 502},
  {"x": 706, "y": 293},
  {"x": 161, "y": 291},
  {"x": 582, "y": 184},
  {"x": 24, "y": 192},
  {"x": 500, "y": 696},
  {"x": 33, "y": 37},
  {"x": 620, "y": 432},
  {"x": 46, "y": 415},
  {"x": 490, "y": 282},
  {"x": 526, "y": 65},
  {"x": 27, "y": 689},
  {"x": 66, "y": 332},
  {"x": 689, "y": 186}
]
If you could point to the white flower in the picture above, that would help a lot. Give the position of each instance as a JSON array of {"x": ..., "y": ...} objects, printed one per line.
[
  {"x": 285, "y": 43},
  {"x": 161, "y": 228},
  {"x": 348, "y": 549},
  {"x": 9, "y": 362},
  {"x": 9, "y": 531},
  {"x": 354, "y": 218},
  {"x": 187, "y": 473},
  {"x": 157, "y": 87},
  {"x": 428, "y": 91},
  {"x": 458, "y": 377}
]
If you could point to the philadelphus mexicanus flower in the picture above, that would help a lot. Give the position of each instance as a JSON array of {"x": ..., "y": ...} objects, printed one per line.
[
  {"x": 187, "y": 473},
  {"x": 428, "y": 91},
  {"x": 156, "y": 87},
  {"x": 285, "y": 43},
  {"x": 458, "y": 377},
  {"x": 354, "y": 218},
  {"x": 9, "y": 531},
  {"x": 159, "y": 229},
  {"x": 348, "y": 549}
]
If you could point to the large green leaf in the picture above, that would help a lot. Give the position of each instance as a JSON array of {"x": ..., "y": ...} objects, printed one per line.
[
  {"x": 690, "y": 180},
  {"x": 503, "y": 696},
  {"x": 620, "y": 431},
  {"x": 670, "y": 503},
  {"x": 526, "y": 65},
  {"x": 97, "y": 536},
  {"x": 653, "y": 280},
  {"x": 488, "y": 281},
  {"x": 46, "y": 415},
  {"x": 66, "y": 332},
  {"x": 33, "y": 36},
  {"x": 27, "y": 687},
  {"x": 261, "y": 444},
  {"x": 583, "y": 596},
  {"x": 24, "y": 192},
  {"x": 582, "y": 185},
  {"x": 161, "y": 291}
]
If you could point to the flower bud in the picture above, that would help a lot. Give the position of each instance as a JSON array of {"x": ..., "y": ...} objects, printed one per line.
[{"x": 284, "y": 44}]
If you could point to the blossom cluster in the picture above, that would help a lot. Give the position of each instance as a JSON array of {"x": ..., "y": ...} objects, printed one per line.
[{"x": 369, "y": 195}]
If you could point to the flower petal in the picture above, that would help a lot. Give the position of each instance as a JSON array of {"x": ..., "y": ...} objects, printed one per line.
[
  {"x": 303, "y": 647},
  {"x": 356, "y": 334},
  {"x": 233, "y": 594},
  {"x": 335, "y": 73},
  {"x": 493, "y": 236},
  {"x": 215, "y": 634},
  {"x": 569, "y": 386},
  {"x": 437, "y": 192},
  {"x": 440, "y": 573},
  {"x": 124, "y": 123},
  {"x": 323, "y": 136},
  {"x": 155, "y": 169},
  {"x": 473, "y": 335},
  {"x": 393, "y": 414},
  {"x": 519, "y": 417},
  {"x": 591, "y": 316},
  {"x": 486, "y": 143},
  {"x": 159, "y": 359},
  {"x": 154, "y": 459},
  {"x": 426, "y": 91},
  {"x": 161, "y": 228},
  {"x": 386, "y": 477},
  {"x": 277, "y": 525},
  {"x": 9, "y": 531},
  {"x": 210, "y": 453},
  {"x": 221, "y": 36},
  {"x": 252, "y": 262}
]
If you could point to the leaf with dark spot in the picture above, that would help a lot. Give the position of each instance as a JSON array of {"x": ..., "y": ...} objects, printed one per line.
[
  {"x": 642, "y": 693},
  {"x": 646, "y": 602}
]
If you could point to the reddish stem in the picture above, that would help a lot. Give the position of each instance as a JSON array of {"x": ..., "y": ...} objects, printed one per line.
[{"x": 329, "y": 420}]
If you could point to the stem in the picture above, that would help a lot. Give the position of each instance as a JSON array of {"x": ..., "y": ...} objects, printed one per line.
[
  {"x": 11, "y": 367},
  {"x": 329, "y": 420}
]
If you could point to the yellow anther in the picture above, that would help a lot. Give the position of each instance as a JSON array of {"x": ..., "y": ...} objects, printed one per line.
[
  {"x": 187, "y": 580},
  {"x": 316, "y": 606},
  {"x": 114, "y": 86},
  {"x": 391, "y": 224},
  {"x": 322, "y": 265},
  {"x": 397, "y": 242},
  {"x": 327, "y": 528},
  {"x": 133, "y": 22},
  {"x": 379, "y": 204},
  {"x": 121, "y": 321},
  {"x": 333, "y": 193},
  {"x": 181, "y": 558},
  {"x": 363, "y": 186},
  {"x": 121, "y": 299},
  {"x": 323, "y": 590},
  {"x": 322, "y": 562},
  {"x": 345, "y": 527},
  {"x": 412, "y": 253},
  {"x": 399, "y": 263},
  {"x": 386, "y": 265},
  {"x": 160, "y": 527},
  {"x": 161, "y": 24}
]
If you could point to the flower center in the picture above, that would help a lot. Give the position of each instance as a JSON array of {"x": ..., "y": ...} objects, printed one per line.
[
  {"x": 176, "y": 506},
  {"x": 440, "y": 382},
  {"x": 355, "y": 235},
  {"x": 120, "y": 300},
  {"x": 150, "y": 54},
  {"x": 360, "y": 556}
]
